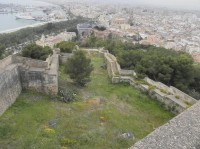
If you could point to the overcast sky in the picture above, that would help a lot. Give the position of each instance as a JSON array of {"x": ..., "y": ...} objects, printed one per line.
[
  {"x": 185, "y": 4},
  {"x": 188, "y": 4},
  {"x": 181, "y": 4}
]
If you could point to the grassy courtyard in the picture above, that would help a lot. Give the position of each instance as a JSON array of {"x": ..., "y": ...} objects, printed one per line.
[{"x": 96, "y": 121}]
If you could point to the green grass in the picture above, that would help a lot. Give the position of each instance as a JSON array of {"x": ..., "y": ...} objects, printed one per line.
[{"x": 83, "y": 124}]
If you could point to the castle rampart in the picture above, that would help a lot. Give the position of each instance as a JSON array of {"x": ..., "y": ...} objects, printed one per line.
[
  {"x": 182, "y": 132},
  {"x": 170, "y": 97},
  {"x": 17, "y": 73}
]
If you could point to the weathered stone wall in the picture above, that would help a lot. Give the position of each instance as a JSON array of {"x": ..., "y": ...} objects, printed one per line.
[
  {"x": 182, "y": 132},
  {"x": 64, "y": 57},
  {"x": 169, "y": 101},
  {"x": 39, "y": 80},
  {"x": 173, "y": 99},
  {"x": 157, "y": 84},
  {"x": 10, "y": 85},
  {"x": 49, "y": 61},
  {"x": 109, "y": 63},
  {"x": 127, "y": 72},
  {"x": 113, "y": 67},
  {"x": 53, "y": 72},
  {"x": 29, "y": 62},
  {"x": 183, "y": 95},
  {"x": 39, "y": 75},
  {"x": 19, "y": 72}
]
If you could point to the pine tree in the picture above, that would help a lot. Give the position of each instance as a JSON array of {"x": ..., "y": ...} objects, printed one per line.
[{"x": 79, "y": 68}]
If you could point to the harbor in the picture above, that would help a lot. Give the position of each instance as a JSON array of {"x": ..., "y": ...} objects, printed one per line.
[
  {"x": 15, "y": 15},
  {"x": 33, "y": 25}
]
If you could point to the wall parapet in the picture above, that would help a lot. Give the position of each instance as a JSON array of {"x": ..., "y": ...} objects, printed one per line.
[
  {"x": 173, "y": 99},
  {"x": 124, "y": 72},
  {"x": 180, "y": 132},
  {"x": 29, "y": 62},
  {"x": 64, "y": 57}
]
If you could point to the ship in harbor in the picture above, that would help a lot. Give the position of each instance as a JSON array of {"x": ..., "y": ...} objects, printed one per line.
[{"x": 24, "y": 16}]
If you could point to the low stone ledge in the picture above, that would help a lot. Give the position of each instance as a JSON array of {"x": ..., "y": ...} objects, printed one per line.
[
  {"x": 161, "y": 91},
  {"x": 182, "y": 132}
]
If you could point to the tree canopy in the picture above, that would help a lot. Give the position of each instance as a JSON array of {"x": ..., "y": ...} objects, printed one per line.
[
  {"x": 2, "y": 49},
  {"x": 66, "y": 46},
  {"x": 100, "y": 28},
  {"x": 33, "y": 33},
  {"x": 79, "y": 68},
  {"x": 165, "y": 65},
  {"x": 36, "y": 52}
]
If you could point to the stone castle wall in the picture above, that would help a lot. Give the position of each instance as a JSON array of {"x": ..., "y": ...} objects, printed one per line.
[
  {"x": 172, "y": 99},
  {"x": 113, "y": 67},
  {"x": 29, "y": 62},
  {"x": 64, "y": 57},
  {"x": 39, "y": 75},
  {"x": 10, "y": 85},
  {"x": 180, "y": 132},
  {"x": 17, "y": 73}
]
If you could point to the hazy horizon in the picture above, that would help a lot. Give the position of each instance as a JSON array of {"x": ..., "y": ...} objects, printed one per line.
[
  {"x": 26, "y": 2},
  {"x": 180, "y": 4}
]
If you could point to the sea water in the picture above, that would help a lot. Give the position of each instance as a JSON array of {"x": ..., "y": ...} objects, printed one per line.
[{"x": 8, "y": 22}]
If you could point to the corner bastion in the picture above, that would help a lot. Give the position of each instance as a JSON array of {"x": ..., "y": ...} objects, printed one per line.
[{"x": 17, "y": 73}]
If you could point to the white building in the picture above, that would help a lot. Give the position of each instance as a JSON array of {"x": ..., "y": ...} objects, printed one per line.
[{"x": 51, "y": 41}]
